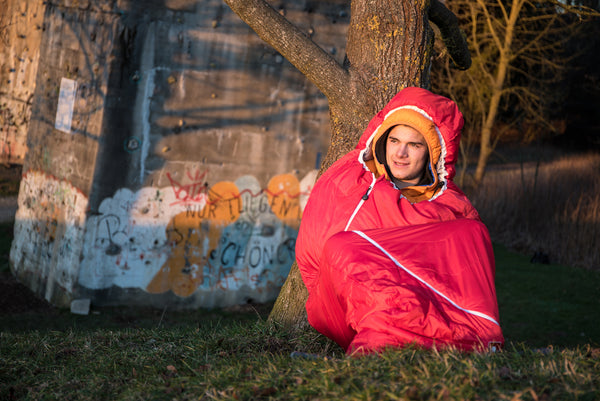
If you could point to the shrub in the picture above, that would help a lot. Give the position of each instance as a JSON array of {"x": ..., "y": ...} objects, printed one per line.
[{"x": 548, "y": 208}]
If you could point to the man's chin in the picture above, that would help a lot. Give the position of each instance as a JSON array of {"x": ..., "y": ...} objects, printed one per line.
[
  {"x": 408, "y": 178},
  {"x": 407, "y": 181}
]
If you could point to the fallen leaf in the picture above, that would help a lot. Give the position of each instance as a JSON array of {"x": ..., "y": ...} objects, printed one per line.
[{"x": 264, "y": 392}]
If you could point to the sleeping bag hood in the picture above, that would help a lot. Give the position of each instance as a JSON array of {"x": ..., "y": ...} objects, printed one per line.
[{"x": 436, "y": 118}]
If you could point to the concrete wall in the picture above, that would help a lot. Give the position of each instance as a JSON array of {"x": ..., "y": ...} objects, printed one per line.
[
  {"x": 21, "y": 28},
  {"x": 170, "y": 154}
]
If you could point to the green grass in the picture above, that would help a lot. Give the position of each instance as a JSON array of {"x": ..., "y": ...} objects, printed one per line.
[
  {"x": 544, "y": 304},
  {"x": 548, "y": 313},
  {"x": 252, "y": 361}
]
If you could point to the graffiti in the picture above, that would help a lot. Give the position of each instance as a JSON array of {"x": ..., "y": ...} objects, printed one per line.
[
  {"x": 186, "y": 234},
  {"x": 192, "y": 237},
  {"x": 126, "y": 241},
  {"x": 182, "y": 272},
  {"x": 255, "y": 254},
  {"x": 249, "y": 252},
  {"x": 240, "y": 238},
  {"x": 194, "y": 192},
  {"x": 236, "y": 240},
  {"x": 253, "y": 204},
  {"x": 49, "y": 230},
  {"x": 109, "y": 226},
  {"x": 284, "y": 198}
]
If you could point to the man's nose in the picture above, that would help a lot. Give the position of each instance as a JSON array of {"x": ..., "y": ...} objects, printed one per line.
[{"x": 402, "y": 150}]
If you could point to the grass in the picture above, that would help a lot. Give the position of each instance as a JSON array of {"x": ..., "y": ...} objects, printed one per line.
[
  {"x": 232, "y": 360},
  {"x": 548, "y": 313},
  {"x": 544, "y": 305}
]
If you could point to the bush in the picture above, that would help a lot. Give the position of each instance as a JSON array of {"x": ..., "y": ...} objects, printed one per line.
[{"x": 548, "y": 209}]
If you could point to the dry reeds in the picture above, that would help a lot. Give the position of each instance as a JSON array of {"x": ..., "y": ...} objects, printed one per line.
[{"x": 546, "y": 208}]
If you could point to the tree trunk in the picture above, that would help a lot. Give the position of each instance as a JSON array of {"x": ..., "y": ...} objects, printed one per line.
[
  {"x": 387, "y": 50},
  {"x": 505, "y": 49},
  {"x": 389, "y": 46}
]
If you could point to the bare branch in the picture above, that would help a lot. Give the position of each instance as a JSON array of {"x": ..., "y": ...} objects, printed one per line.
[
  {"x": 479, "y": 43},
  {"x": 293, "y": 44},
  {"x": 503, "y": 9},
  {"x": 489, "y": 20},
  {"x": 533, "y": 42}
]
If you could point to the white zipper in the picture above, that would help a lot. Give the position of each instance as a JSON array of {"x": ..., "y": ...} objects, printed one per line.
[{"x": 362, "y": 200}]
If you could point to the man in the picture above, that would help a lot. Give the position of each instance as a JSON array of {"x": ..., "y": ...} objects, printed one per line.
[{"x": 390, "y": 250}]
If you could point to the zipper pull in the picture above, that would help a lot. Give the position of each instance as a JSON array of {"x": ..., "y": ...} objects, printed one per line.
[{"x": 366, "y": 195}]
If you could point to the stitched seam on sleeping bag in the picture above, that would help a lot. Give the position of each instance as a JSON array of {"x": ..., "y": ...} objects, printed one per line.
[{"x": 432, "y": 288}]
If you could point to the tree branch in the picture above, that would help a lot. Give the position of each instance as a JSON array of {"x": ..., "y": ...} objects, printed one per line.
[
  {"x": 452, "y": 35},
  {"x": 293, "y": 44}
]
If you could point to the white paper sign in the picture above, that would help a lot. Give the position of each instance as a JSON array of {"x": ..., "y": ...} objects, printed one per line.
[{"x": 66, "y": 102}]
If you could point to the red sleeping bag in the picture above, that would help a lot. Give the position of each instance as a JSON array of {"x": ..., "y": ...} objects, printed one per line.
[{"x": 390, "y": 267}]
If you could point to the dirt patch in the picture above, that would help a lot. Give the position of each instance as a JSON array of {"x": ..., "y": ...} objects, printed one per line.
[{"x": 17, "y": 298}]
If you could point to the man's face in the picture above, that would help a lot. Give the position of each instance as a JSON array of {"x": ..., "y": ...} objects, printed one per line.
[{"x": 406, "y": 154}]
